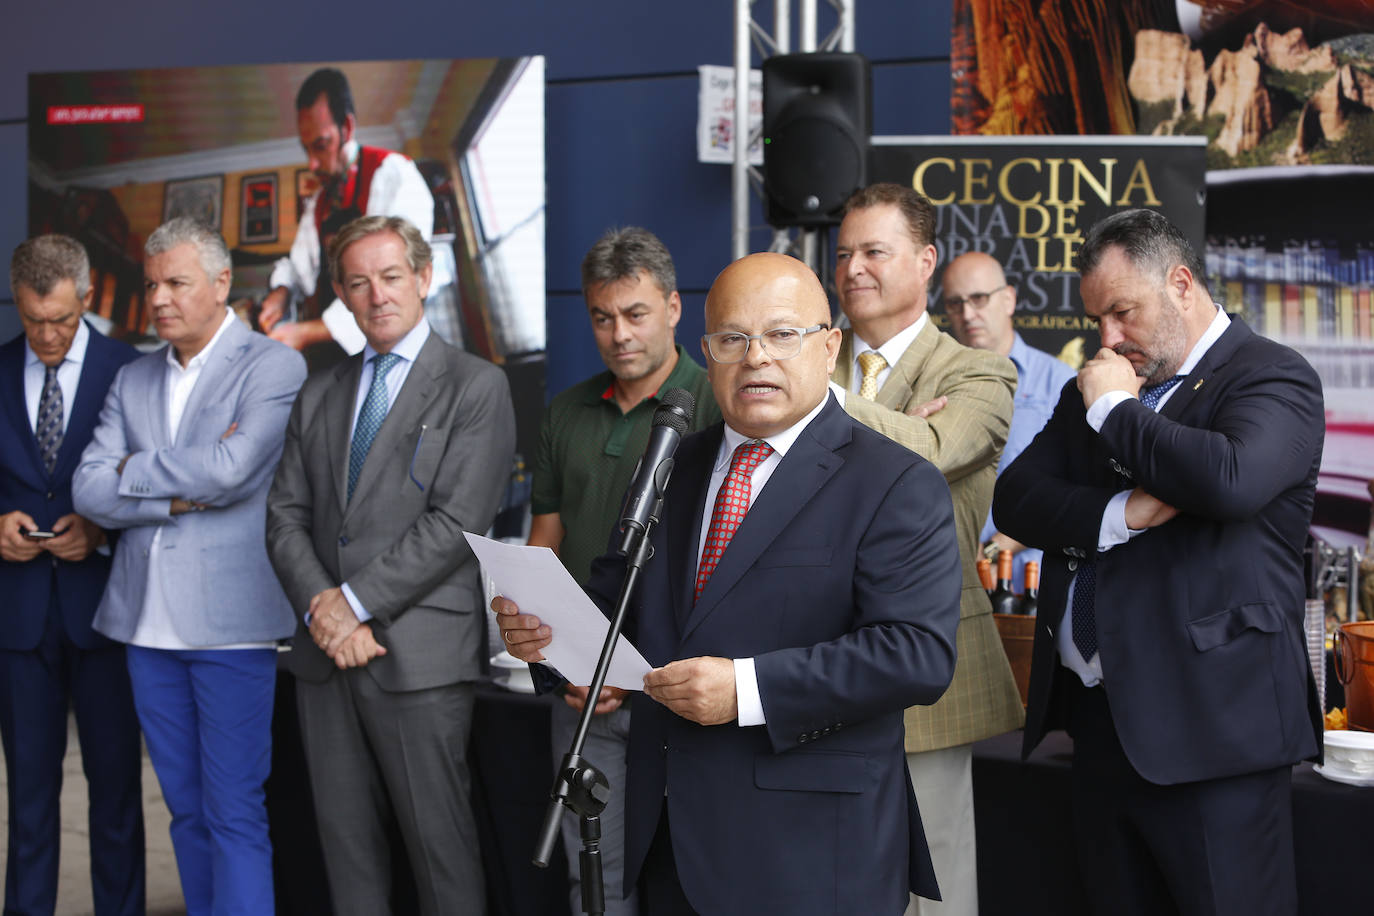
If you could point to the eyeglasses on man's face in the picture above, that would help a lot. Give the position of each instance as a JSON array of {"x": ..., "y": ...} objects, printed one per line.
[
  {"x": 979, "y": 301},
  {"x": 778, "y": 343}
]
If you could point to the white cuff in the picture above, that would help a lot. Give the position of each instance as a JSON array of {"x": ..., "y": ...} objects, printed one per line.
[
  {"x": 747, "y": 699},
  {"x": 1097, "y": 413},
  {"x": 1113, "y": 530},
  {"x": 358, "y": 610}
]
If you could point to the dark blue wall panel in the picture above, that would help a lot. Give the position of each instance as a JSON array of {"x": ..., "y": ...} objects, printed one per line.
[
  {"x": 903, "y": 29},
  {"x": 624, "y": 153},
  {"x": 911, "y": 98},
  {"x": 13, "y": 168}
]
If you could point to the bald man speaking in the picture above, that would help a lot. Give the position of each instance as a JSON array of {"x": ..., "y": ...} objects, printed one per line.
[{"x": 804, "y": 591}]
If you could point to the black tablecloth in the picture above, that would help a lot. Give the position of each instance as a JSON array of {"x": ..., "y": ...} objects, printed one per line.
[{"x": 1026, "y": 861}]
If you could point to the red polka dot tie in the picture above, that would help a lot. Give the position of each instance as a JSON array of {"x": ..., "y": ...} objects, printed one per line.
[{"x": 731, "y": 503}]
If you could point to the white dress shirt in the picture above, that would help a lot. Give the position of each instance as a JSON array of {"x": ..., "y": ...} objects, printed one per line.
[
  {"x": 890, "y": 352},
  {"x": 155, "y": 628},
  {"x": 746, "y": 682},
  {"x": 1113, "y": 530},
  {"x": 408, "y": 348},
  {"x": 68, "y": 375},
  {"x": 397, "y": 189}
]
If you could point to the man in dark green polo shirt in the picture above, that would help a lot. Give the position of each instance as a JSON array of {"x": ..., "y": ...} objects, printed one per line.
[{"x": 591, "y": 438}]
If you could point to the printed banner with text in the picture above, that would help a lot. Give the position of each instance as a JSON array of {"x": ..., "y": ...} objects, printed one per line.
[{"x": 1028, "y": 201}]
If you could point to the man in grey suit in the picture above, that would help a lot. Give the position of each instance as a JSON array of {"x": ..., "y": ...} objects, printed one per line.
[
  {"x": 181, "y": 461},
  {"x": 390, "y": 456}
]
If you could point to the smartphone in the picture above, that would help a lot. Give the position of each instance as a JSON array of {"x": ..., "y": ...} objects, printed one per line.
[{"x": 40, "y": 535}]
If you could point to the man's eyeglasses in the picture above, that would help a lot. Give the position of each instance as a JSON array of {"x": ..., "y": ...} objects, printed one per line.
[
  {"x": 979, "y": 301},
  {"x": 779, "y": 343}
]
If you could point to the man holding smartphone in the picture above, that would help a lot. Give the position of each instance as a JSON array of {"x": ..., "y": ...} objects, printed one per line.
[{"x": 53, "y": 568}]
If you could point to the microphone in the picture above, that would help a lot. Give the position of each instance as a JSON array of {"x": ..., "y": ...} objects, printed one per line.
[{"x": 644, "y": 498}]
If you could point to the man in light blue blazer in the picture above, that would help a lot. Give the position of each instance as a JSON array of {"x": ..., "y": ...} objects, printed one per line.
[{"x": 181, "y": 460}]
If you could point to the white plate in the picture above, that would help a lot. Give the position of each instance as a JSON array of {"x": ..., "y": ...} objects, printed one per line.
[
  {"x": 1350, "y": 779},
  {"x": 516, "y": 679},
  {"x": 504, "y": 660},
  {"x": 1351, "y": 739}
]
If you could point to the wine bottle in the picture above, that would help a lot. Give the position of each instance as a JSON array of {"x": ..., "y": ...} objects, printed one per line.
[
  {"x": 1003, "y": 598},
  {"x": 1030, "y": 598},
  {"x": 985, "y": 574}
]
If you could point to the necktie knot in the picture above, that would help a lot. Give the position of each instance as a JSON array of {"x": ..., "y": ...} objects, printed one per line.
[
  {"x": 748, "y": 455},
  {"x": 871, "y": 364},
  {"x": 1151, "y": 395},
  {"x": 382, "y": 363}
]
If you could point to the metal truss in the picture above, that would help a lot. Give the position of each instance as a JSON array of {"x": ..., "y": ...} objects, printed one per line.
[{"x": 749, "y": 35}]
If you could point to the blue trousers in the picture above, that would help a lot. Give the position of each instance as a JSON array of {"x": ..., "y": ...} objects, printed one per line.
[
  {"x": 207, "y": 719},
  {"x": 36, "y": 689}
]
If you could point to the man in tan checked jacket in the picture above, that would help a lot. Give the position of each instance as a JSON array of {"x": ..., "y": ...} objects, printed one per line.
[{"x": 951, "y": 405}]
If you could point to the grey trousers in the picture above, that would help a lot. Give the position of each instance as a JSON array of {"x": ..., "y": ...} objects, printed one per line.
[
  {"x": 605, "y": 749},
  {"x": 375, "y": 757}
]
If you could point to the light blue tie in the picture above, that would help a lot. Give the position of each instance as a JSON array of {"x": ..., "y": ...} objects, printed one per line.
[
  {"x": 370, "y": 418},
  {"x": 1085, "y": 586}
]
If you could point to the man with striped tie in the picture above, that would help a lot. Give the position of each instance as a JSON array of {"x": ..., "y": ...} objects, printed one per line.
[
  {"x": 54, "y": 565},
  {"x": 1171, "y": 492}
]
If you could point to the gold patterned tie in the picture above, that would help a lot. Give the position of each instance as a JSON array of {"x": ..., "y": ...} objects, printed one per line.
[{"x": 871, "y": 363}]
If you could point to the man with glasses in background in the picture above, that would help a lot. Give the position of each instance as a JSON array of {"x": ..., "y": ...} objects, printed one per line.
[
  {"x": 980, "y": 304},
  {"x": 951, "y": 405}
]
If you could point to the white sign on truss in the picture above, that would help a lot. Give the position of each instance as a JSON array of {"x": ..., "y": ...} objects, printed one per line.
[{"x": 716, "y": 115}]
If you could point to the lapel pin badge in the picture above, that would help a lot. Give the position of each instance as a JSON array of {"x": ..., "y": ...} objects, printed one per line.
[{"x": 1199, "y": 384}]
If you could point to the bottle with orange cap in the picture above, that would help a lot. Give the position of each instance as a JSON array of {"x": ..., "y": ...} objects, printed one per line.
[
  {"x": 1031, "y": 596},
  {"x": 1003, "y": 598}
]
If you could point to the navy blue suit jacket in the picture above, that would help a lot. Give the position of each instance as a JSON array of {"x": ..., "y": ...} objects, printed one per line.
[
  {"x": 26, "y": 485},
  {"x": 1200, "y": 620},
  {"x": 843, "y": 584}
]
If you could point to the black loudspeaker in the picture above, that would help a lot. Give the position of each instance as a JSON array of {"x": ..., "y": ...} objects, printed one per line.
[{"x": 817, "y": 117}]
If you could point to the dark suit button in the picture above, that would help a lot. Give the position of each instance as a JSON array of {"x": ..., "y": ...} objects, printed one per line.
[
  {"x": 1073, "y": 564},
  {"x": 802, "y": 739},
  {"x": 50, "y": 495},
  {"x": 343, "y": 540},
  {"x": 815, "y": 735}
]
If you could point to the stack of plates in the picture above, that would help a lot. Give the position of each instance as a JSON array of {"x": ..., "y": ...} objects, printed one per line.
[
  {"x": 1349, "y": 758},
  {"x": 511, "y": 673}
]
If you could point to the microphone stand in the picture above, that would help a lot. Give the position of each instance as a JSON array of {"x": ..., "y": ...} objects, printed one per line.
[{"x": 580, "y": 786}]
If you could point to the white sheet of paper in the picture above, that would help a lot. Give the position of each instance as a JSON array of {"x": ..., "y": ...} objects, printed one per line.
[{"x": 534, "y": 579}]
